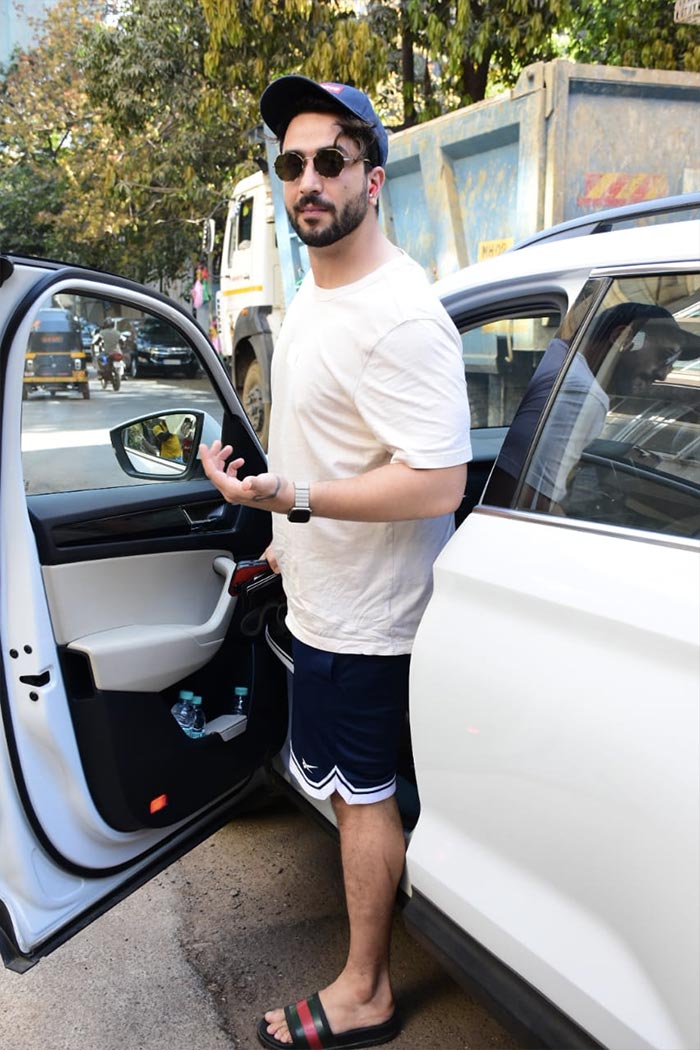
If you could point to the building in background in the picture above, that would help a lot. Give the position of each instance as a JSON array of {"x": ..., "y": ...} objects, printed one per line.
[{"x": 15, "y": 27}]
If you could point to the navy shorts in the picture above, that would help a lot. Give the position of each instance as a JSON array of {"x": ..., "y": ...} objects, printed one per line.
[{"x": 348, "y": 716}]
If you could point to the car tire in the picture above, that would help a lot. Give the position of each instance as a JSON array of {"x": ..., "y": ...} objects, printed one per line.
[
  {"x": 254, "y": 403},
  {"x": 134, "y": 367},
  {"x": 191, "y": 371}
]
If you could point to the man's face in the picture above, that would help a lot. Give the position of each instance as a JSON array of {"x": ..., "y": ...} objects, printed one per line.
[
  {"x": 322, "y": 210},
  {"x": 647, "y": 358}
]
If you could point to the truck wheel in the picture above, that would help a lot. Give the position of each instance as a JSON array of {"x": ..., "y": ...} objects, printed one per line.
[
  {"x": 25, "y": 393},
  {"x": 85, "y": 388},
  {"x": 253, "y": 402}
]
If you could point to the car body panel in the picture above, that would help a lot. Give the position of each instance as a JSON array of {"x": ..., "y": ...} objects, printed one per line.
[
  {"x": 559, "y": 739},
  {"x": 564, "y": 656}
]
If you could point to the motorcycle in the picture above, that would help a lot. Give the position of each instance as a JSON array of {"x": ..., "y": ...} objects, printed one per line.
[{"x": 109, "y": 365}]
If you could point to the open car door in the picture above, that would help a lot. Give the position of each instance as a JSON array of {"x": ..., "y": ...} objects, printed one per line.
[{"x": 115, "y": 595}]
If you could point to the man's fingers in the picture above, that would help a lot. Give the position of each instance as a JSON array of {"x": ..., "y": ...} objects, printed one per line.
[{"x": 269, "y": 556}]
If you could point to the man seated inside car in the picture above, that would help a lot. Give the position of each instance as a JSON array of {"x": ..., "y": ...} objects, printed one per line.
[{"x": 631, "y": 346}]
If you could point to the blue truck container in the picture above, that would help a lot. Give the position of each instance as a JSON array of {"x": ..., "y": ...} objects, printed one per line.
[{"x": 567, "y": 140}]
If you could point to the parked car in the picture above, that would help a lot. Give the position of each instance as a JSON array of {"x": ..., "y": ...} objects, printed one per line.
[
  {"x": 87, "y": 332},
  {"x": 55, "y": 360},
  {"x": 161, "y": 348},
  {"x": 550, "y": 796}
]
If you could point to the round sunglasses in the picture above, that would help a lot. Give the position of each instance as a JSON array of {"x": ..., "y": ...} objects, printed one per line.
[{"x": 328, "y": 162}]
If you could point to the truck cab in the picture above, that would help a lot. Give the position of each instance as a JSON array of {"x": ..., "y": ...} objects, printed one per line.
[
  {"x": 263, "y": 262},
  {"x": 250, "y": 301}
]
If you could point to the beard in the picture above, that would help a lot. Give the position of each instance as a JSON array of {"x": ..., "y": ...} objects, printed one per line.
[{"x": 343, "y": 222}]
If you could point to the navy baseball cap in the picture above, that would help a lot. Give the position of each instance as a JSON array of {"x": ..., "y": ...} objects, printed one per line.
[{"x": 281, "y": 100}]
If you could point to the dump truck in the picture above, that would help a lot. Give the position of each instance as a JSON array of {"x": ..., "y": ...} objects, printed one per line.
[{"x": 568, "y": 140}]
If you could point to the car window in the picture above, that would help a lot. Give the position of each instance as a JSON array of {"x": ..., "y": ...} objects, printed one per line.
[
  {"x": 500, "y": 356},
  {"x": 67, "y": 411},
  {"x": 621, "y": 441}
]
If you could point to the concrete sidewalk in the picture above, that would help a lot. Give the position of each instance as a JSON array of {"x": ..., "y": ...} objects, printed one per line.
[
  {"x": 252, "y": 918},
  {"x": 122, "y": 984}
]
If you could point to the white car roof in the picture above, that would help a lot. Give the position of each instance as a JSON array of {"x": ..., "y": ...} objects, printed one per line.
[{"x": 665, "y": 243}]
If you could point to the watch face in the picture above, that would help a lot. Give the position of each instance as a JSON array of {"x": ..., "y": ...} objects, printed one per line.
[{"x": 300, "y": 514}]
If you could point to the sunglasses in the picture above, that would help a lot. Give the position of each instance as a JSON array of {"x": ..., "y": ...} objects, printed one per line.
[{"x": 329, "y": 162}]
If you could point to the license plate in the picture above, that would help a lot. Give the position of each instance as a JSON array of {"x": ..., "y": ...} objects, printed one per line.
[{"x": 172, "y": 360}]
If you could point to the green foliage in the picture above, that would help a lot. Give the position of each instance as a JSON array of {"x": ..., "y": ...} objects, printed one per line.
[
  {"x": 252, "y": 42},
  {"x": 444, "y": 55},
  {"x": 614, "y": 33}
]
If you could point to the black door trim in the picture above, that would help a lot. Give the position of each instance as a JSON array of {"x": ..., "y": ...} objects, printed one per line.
[{"x": 536, "y": 1021}]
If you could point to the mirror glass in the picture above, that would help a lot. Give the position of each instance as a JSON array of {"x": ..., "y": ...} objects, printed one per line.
[{"x": 162, "y": 445}]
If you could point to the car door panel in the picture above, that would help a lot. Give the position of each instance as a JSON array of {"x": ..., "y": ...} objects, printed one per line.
[
  {"x": 146, "y": 589},
  {"x": 113, "y": 597}
]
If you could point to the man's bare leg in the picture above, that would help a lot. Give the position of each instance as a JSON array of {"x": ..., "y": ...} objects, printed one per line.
[{"x": 373, "y": 851}]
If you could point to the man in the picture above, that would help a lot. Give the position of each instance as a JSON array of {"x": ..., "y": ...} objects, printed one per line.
[
  {"x": 369, "y": 442},
  {"x": 634, "y": 345}
]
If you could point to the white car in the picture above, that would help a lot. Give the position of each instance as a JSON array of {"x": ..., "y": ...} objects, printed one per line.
[{"x": 551, "y": 797}]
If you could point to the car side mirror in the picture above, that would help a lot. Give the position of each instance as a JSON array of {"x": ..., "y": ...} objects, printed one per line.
[{"x": 164, "y": 446}]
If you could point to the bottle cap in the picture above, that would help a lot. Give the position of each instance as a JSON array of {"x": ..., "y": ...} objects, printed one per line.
[
  {"x": 241, "y": 690},
  {"x": 186, "y": 694},
  {"x": 196, "y": 699}
]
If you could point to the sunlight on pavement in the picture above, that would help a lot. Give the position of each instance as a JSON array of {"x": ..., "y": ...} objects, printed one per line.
[{"x": 38, "y": 442}]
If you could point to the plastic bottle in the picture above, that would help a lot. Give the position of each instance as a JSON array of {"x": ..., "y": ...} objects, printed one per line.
[
  {"x": 189, "y": 715},
  {"x": 240, "y": 703}
]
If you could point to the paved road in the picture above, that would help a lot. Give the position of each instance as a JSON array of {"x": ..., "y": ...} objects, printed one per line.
[{"x": 251, "y": 918}]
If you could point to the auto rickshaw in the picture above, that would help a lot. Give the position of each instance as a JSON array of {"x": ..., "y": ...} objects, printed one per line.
[{"x": 55, "y": 359}]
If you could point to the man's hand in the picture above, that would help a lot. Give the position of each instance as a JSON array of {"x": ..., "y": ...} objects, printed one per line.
[{"x": 255, "y": 489}]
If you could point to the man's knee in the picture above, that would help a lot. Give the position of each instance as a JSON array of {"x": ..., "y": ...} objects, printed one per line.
[{"x": 360, "y": 813}]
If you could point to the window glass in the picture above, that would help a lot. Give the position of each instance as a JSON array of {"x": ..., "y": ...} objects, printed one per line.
[
  {"x": 245, "y": 223},
  {"x": 500, "y": 357},
  {"x": 621, "y": 442},
  {"x": 71, "y": 398}
]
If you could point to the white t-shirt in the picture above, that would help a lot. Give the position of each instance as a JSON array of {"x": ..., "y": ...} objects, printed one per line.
[{"x": 364, "y": 375}]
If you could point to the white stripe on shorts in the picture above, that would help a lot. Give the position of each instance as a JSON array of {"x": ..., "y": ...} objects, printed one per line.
[{"x": 336, "y": 781}]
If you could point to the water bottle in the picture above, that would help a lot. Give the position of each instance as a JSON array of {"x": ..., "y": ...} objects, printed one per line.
[
  {"x": 189, "y": 715},
  {"x": 240, "y": 703}
]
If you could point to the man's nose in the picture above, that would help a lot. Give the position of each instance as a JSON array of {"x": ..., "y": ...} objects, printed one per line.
[{"x": 310, "y": 181}]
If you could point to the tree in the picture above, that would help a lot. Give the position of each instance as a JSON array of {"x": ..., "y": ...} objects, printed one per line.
[
  {"x": 181, "y": 139},
  {"x": 254, "y": 41},
  {"x": 421, "y": 58},
  {"x": 70, "y": 186},
  {"x": 446, "y": 55},
  {"x": 644, "y": 34}
]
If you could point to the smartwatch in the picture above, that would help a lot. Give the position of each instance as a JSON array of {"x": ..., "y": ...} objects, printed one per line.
[{"x": 301, "y": 511}]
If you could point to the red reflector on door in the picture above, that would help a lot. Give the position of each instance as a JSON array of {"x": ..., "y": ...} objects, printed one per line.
[{"x": 157, "y": 804}]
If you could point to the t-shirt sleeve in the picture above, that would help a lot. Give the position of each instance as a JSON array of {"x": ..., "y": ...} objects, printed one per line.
[{"x": 412, "y": 394}]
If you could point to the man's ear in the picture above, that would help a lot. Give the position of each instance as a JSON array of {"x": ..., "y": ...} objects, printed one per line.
[{"x": 375, "y": 182}]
